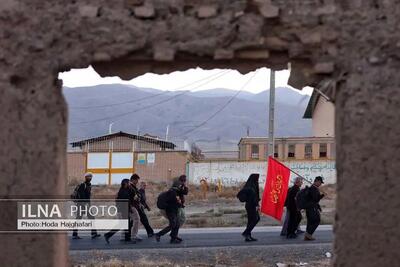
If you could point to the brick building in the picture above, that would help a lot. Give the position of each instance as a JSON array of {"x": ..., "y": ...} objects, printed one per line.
[
  {"x": 296, "y": 148},
  {"x": 116, "y": 156}
]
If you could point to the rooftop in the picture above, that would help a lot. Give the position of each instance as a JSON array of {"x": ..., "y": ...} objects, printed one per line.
[{"x": 162, "y": 143}]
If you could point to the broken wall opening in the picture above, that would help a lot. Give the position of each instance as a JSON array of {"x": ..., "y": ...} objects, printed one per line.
[{"x": 357, "y": 38}]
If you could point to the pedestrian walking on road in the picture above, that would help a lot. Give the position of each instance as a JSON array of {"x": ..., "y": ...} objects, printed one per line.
[
  {"x": 313, "y": 208},
  {"x": 81, "y": 197},
  {"x": 182, "y": 191},
  {"x": 123, "y": 206},
  {"x": 251, "y": 195},
  {"x": 169, "y": 202},
  {"x": 143, "y": 205},
  {"x": 134, "y": 213},
  {"x": 292, "y": 209}
]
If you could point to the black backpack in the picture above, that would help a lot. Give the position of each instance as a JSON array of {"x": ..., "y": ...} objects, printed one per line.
[
  {"x": 162, "y": 200},
  {"x": 302, "y": 198},
  {"x": 75, "y": 194},
  {"x": 242, "y": 195}
]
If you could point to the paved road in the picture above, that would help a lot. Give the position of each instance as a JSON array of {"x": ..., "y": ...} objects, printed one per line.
[{"x": 203, "y": 237}]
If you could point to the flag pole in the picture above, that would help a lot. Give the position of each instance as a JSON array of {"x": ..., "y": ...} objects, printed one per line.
[{"x": 305, "y": 179}]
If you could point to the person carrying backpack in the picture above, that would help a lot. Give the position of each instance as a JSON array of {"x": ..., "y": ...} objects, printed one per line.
[
  {"x": 250, "y": 194},
  {"x": 170, "y": 202},
  {"x": 313, "y": 208},
  {"x": 81, "y": 197}
]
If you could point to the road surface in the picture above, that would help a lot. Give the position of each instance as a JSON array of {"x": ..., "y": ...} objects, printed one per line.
[{"x": 203, "y": 237}]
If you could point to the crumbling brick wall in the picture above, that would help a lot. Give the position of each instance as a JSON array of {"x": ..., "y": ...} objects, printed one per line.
[{"x": 353, "y": 43}]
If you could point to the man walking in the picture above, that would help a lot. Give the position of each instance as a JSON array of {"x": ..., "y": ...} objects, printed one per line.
[
  {"x": 82, "y": 195},
  {"x": 143, "y": 205},
  {"x": 122, "y": 198},
  {"x": 183, "y": 190},
  {"x": 313, "y": 208},
  {"x": 134, "y": 211},
  {"x": 172, "y": 202},
  {"x": 292, "y": 209}
]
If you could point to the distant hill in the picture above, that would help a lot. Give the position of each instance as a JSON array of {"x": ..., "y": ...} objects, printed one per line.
[{"x": 150, "y": 110}]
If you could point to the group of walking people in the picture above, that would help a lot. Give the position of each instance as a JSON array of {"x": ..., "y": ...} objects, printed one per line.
[
  {"x": 171, "y": 204},
  {"x": 297, "y": 199}
]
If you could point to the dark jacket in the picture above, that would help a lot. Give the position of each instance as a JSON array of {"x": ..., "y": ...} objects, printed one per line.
[
  {"x": 84, "y": 190},
  {"x": 252, "y": 190},
  {"x": 290, "y": 202},
  {"x": 314, "y": 196},
  {"x": 181, "y": 191},
  {"x": 143, "y": 199},
  {"x": 171, "y": 200},
  {"x": 123, "y": 206}
]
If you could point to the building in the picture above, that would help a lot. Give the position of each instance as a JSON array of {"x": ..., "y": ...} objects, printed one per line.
[
  {"x": 114, "y": 157},
  {"x": 290, "y": 148},
  {"x": 322, "y": 113},
  {"x": 122, "y": 142}
]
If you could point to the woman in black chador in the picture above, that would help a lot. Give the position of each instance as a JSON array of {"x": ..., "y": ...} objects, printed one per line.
[{"x": 251, "y": 190}]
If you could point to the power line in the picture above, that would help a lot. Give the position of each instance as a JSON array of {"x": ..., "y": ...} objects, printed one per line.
[
  {"x": 222, "y": 73},
  {"x": 221, "y": 109},
  {"x": 147, "y": 97},
  {"x": 122, "y": 103}
]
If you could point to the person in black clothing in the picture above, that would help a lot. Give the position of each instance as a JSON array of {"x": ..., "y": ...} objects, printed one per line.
[
  {"x": 183, "y": 190},
  {"x": 313, "y": 208},
  {"x": 83, "y": 200},
  {"x": 292, "y": 209},
  {"x": 173, "y": 202},
  {"x": 123, "y": 195},
  {"x": 252, "y": 205},
  {"x": 142, "y": 214}
]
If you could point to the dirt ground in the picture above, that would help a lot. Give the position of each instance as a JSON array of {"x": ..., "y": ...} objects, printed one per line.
[
  {"x": 217, "y": 209},
  {"x": 310, "y": 255}
]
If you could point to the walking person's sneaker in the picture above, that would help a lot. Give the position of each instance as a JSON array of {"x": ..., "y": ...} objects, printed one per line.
[
  {"x": 299, "y": 232},
  {"x": 308, "y": 237},
  {"x": 95, "y": 236},
  {"x": 178, "y": 238},
  {"x": 107, "y": 238},
  {"x": 253, "y": 239},
  {"x": 150, "y": 235},
  {"x": 137, "y": 238},
  {"x": 76, "y": 237},
  {"x": 158, "y": 237},
  {"x": 248, "y": 238},
  {"x": 291, "y": 236},
  {"x": 175, "y": 241}
]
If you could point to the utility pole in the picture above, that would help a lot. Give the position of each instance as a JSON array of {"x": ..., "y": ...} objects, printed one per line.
[
  {"x": 110, "y": 127},
  {"x": 167, "y": 133},
  {"x": 271, "y": 143}
]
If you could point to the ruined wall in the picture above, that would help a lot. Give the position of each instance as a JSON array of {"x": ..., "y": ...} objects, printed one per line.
[
  {"x": 355, "y": 38},
  {"x": 368, "y": 135}
]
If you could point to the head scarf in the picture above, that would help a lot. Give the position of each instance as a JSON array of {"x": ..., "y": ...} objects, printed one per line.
[{"x": 252, "y": 183}]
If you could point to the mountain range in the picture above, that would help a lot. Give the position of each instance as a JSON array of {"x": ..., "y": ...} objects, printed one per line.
[{"x": 214, "y": 119}]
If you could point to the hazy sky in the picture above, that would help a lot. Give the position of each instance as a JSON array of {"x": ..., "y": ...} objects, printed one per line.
[{"x": 179, "y": 79}]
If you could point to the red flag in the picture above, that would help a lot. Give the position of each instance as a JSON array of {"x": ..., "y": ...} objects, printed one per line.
[{"x": 275, "y": 190}]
